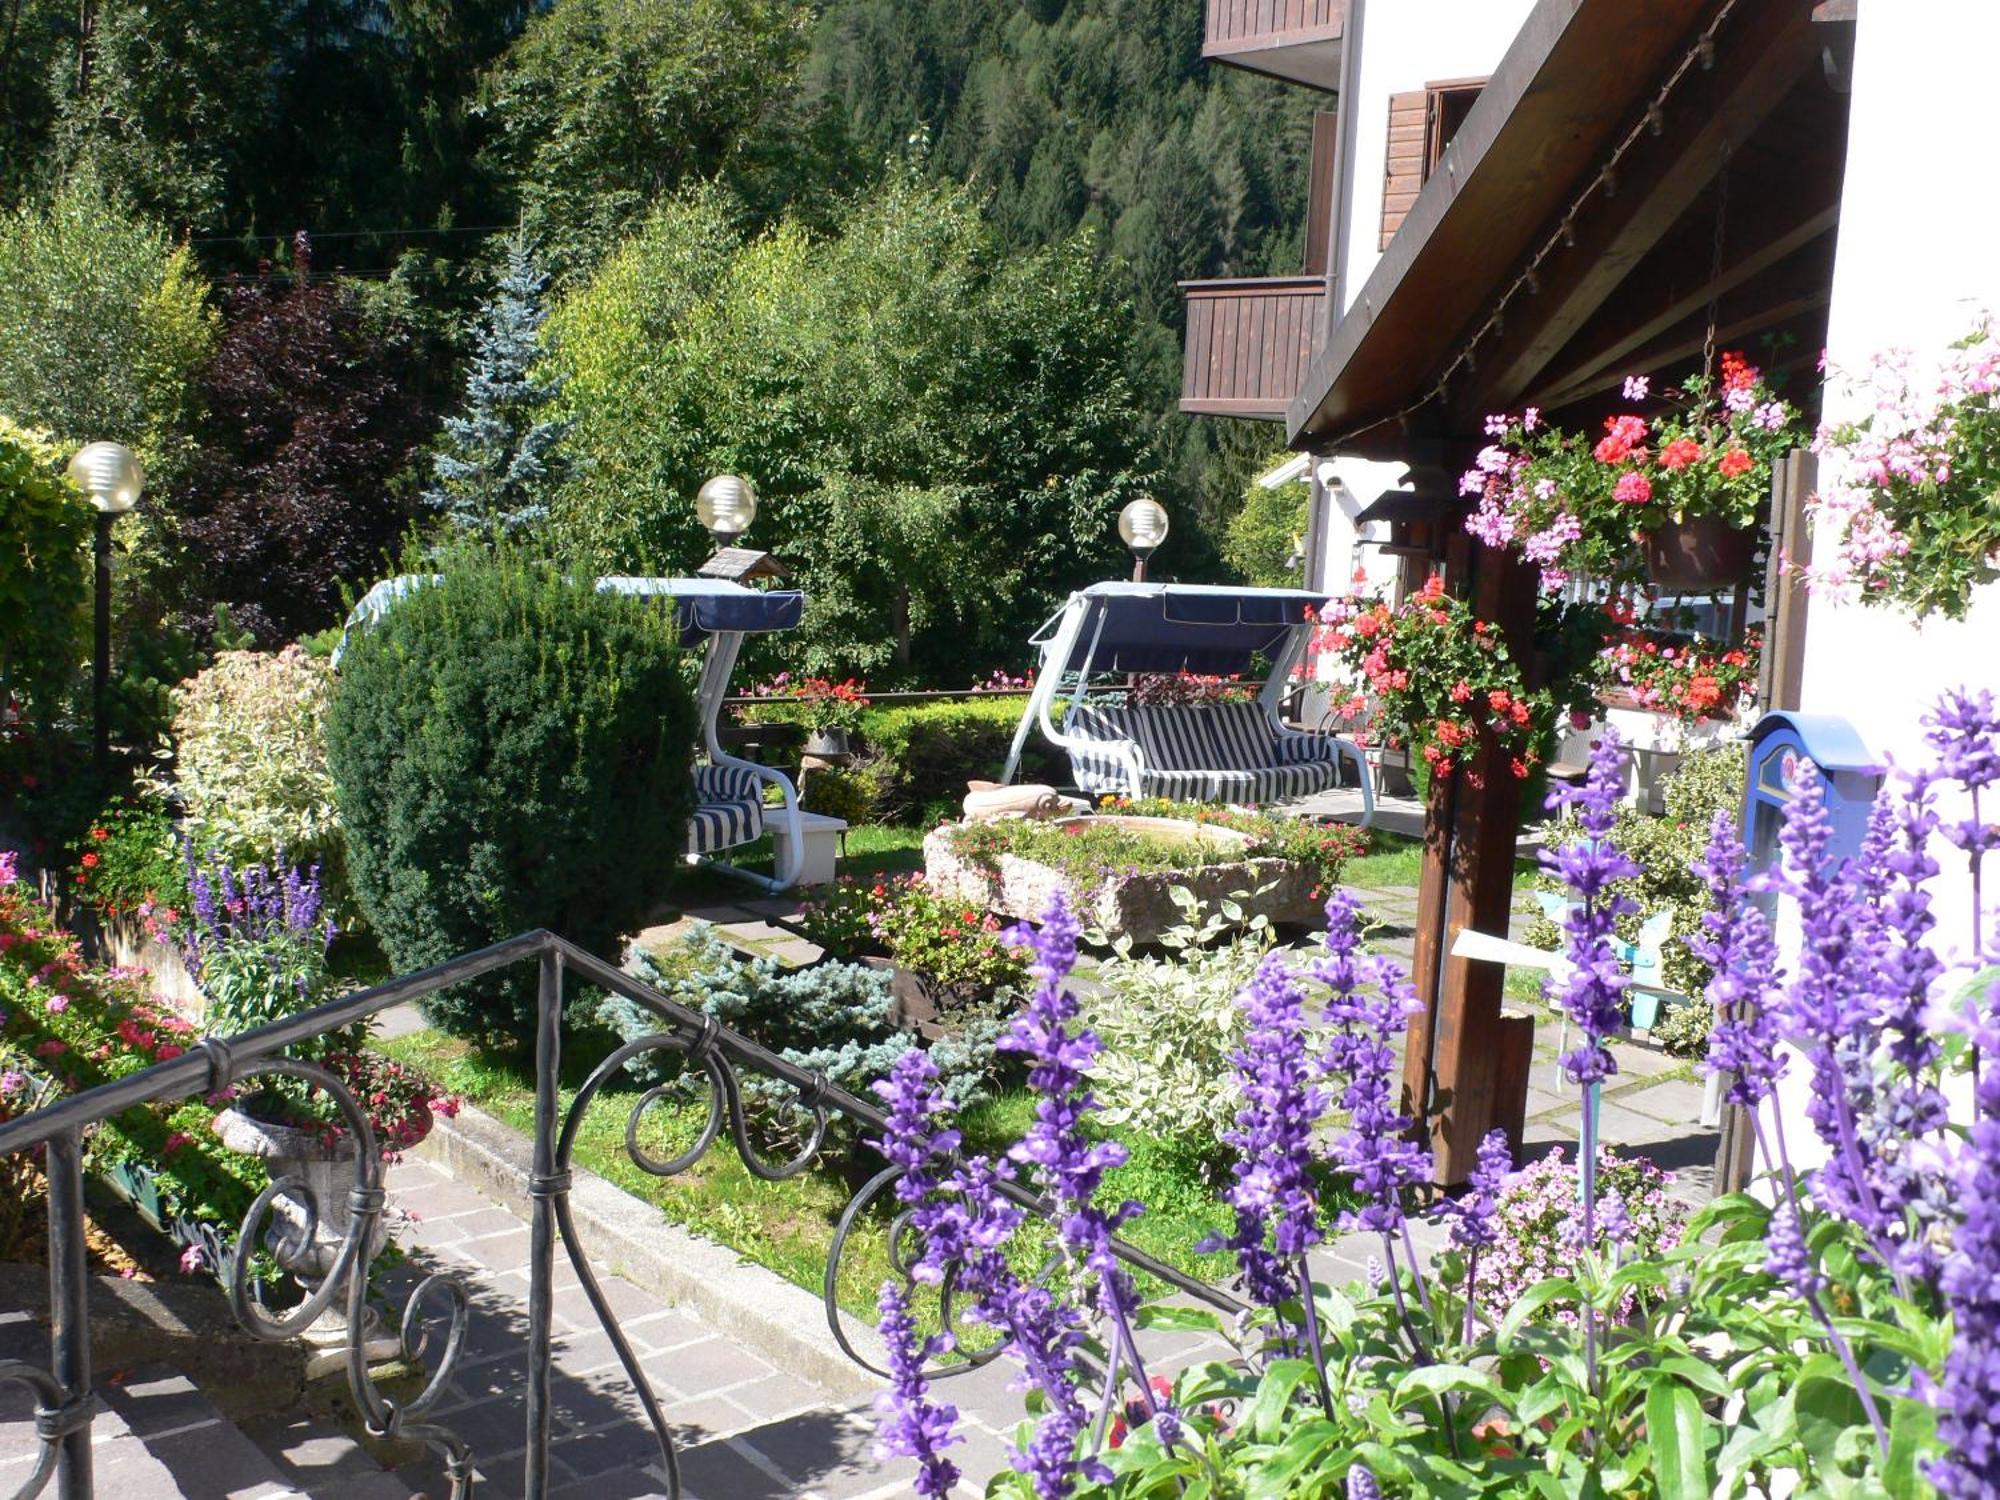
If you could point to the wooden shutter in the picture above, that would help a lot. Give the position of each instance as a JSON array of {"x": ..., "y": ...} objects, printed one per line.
[
  {"x": 1322, "y": 198},
  {"x": 1403, "y": 171}
]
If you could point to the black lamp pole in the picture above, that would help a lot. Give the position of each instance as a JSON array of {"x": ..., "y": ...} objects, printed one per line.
[{"x": 101, "y": 682}]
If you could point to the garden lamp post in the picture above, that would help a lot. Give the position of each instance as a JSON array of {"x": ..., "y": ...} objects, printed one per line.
[
  {"x": 1143, "y": 525},
  {"x": 111, "y": 474},
  {"x": 726, "y": 505}
]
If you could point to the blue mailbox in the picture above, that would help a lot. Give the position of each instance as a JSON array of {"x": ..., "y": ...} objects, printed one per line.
[{"x": 1779, "y": 743}]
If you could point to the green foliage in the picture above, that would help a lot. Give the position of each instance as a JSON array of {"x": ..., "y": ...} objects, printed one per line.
[
  {"x": 924, "y": 753},
  {"x": 1168, "y": 1022},
  {"x": 833, "y": 1018},
  {"x": 602, "y": 106},
  {"x": 104, "y": 324},
  {"x": 941, "y": 437},
  {"x": 1665, "y": 849},
  {"x": 1268, "y": 532},
  {"x": 250, "y": 761},
  {"x": 44, "y": 532},
  {"x": 511, "y": 750},
  {"x": 835, "y": 792},
  {"x": 1684, "y": 1030}
]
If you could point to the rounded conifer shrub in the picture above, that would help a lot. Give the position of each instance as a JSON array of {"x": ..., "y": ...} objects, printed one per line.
[{"x": 510, "y": 749}]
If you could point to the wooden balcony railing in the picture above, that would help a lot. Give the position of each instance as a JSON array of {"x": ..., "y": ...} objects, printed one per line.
[
  {"x": 1249, "y": 342},
  {"x": 1298, "y": 40}
]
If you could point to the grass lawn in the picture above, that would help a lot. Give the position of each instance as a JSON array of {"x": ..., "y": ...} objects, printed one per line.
[{"x": 788, "y": 1226}]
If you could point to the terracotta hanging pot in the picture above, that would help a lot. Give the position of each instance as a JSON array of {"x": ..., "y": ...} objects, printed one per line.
[{"x": 1699, "y": 555}]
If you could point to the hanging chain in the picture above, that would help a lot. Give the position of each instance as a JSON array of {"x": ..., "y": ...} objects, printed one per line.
[{"x": 1715, "y": 270}]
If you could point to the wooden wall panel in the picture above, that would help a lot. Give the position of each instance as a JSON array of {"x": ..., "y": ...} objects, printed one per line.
[{"x": 1249, "y": 342}]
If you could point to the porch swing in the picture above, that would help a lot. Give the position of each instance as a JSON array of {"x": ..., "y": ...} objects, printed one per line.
[
  {"x": 729, "y": 807},
  {"x": 1202, "y": 752}
]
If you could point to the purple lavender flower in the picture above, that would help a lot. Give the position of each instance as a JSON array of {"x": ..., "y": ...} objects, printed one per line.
[
  {"x": 1594, "y": 993},
  {"x": 1472, "y": 1226},
  {"x": 1614, "y": 1221},
  {"x": 1369, "y": 1004},
  {"x": 912, "y": 1426},
  {"x": 1070, "y": 1168},
  {"x": 1969, "y": 1401},
  {"x": 1832, "y": 1008},
  {"x": 1361, "y": 1484},
  {"x": 1743, "y": 968},
  {"x": 919, "y": 1139},
  {"x": 1068, "y": 1164},
  {"x": 1277, "y": 1208},
  {"x": 1785, "y": 1255}
]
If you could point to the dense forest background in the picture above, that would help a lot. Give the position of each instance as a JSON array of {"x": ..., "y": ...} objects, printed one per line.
[{"x": 911, "y": 263}]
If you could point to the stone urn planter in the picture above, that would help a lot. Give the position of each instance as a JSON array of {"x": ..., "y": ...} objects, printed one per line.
[
  {"x": 921, "y": 1003},
  {"x": 305, "y": 1230},
  {"x": 831, "y": 743},
  {"x": 1138, "y": 905}
]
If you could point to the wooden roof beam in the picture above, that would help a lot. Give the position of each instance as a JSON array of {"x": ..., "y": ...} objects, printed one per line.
[
  {"x": 1756, "y": 64},
  {"x": 1773, "y": 240}
]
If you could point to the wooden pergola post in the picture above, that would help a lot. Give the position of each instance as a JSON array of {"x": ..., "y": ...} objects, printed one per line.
[{"x": 1465, "y": 1070}]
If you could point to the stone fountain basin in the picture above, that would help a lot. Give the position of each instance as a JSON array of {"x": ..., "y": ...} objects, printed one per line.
[{"x": 1138, "y": 906}]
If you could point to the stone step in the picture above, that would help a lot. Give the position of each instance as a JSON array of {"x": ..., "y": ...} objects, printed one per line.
[{"x": 157, "y": 1435}]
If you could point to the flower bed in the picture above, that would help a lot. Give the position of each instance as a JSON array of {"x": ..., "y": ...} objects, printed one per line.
[
  {"x": 1833, "y": 1336},
  {"x": 1119, "y": 869}
]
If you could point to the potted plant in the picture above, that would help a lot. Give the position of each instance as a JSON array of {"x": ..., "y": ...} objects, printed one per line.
[
  {"x": 1686, "y": 678},
  {"x": 1431, "y": 678},
  {"x": 942, "y": 955},
  {"x": 829, "y": 711},
  {"x": 1909, "y": 496},
  {"x": 255, "y": 939},
  {"x": 1672, "y": 495}
]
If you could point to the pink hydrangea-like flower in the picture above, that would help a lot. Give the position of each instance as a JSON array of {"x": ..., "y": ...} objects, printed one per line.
[{"x": 1633, "y": 488}]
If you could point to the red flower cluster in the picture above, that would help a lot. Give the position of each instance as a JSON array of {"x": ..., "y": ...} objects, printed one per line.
[
  {"x": 1692, "y": 682},
  {"x": 1433, "y": 678}
]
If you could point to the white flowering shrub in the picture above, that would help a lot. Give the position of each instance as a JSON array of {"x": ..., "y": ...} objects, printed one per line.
[
  {"x": 250, "y": 760},
  {"x": 1167, "y": 1024}
]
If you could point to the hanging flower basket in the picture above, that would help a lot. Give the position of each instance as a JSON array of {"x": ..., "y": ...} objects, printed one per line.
[
  {"x": 1699, "y": 555},
  {"x": 1652, "y": 493}
]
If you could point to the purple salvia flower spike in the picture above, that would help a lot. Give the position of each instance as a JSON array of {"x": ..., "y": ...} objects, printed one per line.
[
  {"x": 1276, "y": 1205},
  {"x": 1743, "y": 966},
  {"x": 1590, "y": 865},
  {"x": 911, "y": 1425},
  {"x": 1969, "y": 1402}
]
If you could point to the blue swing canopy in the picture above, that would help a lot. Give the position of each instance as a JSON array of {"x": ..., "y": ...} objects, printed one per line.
[
  {"x": 704, "y": 607},
  {"x": 1183, "y": 627}
]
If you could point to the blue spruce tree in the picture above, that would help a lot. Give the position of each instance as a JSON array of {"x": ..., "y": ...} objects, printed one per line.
[{"x": 498, "y": 460}]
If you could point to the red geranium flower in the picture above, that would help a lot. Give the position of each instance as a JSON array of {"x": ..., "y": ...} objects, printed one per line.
[
  {"x": 1735, "y": 461},
  {"x": 1681, "y": 452}
]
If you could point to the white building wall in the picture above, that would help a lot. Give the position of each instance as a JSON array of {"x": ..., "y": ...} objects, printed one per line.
[
  {"x": 1916, "y": 265},
  {"x": 1406, "y": 45},
  {"x": 1918, "y": 261}
]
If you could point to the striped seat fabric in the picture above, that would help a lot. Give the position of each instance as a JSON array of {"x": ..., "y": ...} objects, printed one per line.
[
  {"x": 1208, "y": 752},
  {"x": 729, "y": 809}
]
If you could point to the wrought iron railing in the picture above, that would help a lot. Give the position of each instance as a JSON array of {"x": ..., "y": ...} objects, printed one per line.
[{"x": 711, "y": 1052}]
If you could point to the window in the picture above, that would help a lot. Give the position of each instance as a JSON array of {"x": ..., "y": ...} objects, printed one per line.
[{"x": 1421, "y": 124}]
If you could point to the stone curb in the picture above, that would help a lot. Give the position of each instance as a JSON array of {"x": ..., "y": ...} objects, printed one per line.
[{"x": 766, "y": 1313}]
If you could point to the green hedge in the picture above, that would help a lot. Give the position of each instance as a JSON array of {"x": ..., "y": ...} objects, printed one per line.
[
  {"x": 511, "y": 750},
  {"x": 922, "y": 755}
]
